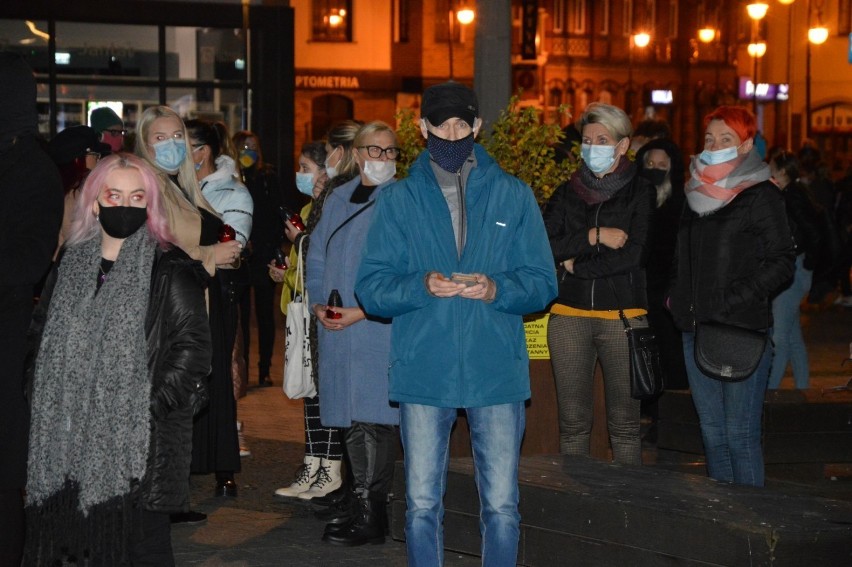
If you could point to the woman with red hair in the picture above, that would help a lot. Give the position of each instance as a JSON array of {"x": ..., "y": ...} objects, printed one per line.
[{"x": 734, "y": 254}]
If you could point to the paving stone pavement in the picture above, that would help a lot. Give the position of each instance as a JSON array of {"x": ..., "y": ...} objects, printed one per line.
[{"x": 258, "y": 529}]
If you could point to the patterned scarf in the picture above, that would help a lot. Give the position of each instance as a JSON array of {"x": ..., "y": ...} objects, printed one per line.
[
  {"x": 593, "y": 189},
  {"x": 711, "y": 187},
  {"x": 92, "y": 392}
]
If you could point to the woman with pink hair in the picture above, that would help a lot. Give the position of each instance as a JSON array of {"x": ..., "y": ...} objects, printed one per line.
[{"x": 121, "y": 349}]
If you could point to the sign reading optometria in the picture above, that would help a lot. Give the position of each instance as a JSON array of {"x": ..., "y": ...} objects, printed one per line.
[{"x": 339, "y": 82}]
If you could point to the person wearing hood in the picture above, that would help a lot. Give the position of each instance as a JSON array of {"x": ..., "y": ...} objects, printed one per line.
[
  {"x": 734, "y": 254},
  {"x": 31, "y": 192},
  {"x": 109, "y": 127},
  {"x": 661, "y": 162},
  {"x": 598, "y": 225}
]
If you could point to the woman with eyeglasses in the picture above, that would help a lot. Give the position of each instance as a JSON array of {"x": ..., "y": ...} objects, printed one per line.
[
  {"x": 163, "y": 142},
  {"x": 354, "y": 347}
]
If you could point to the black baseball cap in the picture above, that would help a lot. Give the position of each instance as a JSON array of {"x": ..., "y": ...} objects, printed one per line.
[{"x": 448, "y": 100}]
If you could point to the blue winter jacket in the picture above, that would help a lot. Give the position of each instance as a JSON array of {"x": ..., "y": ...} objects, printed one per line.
[
  {"x": 456, "y": 352},
  {"x": 353, "y": 362}
]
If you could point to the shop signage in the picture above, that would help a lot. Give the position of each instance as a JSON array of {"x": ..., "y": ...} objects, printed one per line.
[{"x": 337, "y": 82}]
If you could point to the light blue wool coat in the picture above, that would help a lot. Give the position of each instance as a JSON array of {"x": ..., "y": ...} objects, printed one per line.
[
  {"x": 456, "y": 352},
  {"x": 353, "y": 362}
]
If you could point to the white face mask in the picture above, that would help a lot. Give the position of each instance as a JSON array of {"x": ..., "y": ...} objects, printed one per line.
[
  {"x": 379, "y": 171},
  {"x": 715, "y": 157},
  {"x": 331, "y": 170},
  {"x": 599, "y": 158}
]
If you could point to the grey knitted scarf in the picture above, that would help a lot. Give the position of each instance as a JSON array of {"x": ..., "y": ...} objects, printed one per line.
[{"x": 91, "y": 391}]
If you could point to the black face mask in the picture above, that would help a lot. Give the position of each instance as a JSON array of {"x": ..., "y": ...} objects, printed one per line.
[
  {"x": 655, "y": 176},
  {"x": 449, "y": 154},
  {"x": 121, "y": 222}
]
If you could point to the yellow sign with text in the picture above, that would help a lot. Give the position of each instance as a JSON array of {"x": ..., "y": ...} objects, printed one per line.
[{"x": 535, "y": 326}]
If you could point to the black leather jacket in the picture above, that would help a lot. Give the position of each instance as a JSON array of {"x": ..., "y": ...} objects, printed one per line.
[
  {"x": 177, "y": 332},
  {"x": 568, "y": 220},
  {"x": 730, "y": 264}
]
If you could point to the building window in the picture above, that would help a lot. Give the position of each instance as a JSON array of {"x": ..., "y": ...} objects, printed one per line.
[
  {"x": 577, "y": 16},
  {"x": 844, "y": 17},
  {"x": 601, "y": 14},
  {"x": 331, "y": 20},
  {"x": 673, "y": 18},
  {"x": 401, "y": 21},
  {"x": 559, "y": 16}
]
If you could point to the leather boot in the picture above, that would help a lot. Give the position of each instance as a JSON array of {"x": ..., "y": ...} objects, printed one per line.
[
  {"x": 332, "y": 497},
  {"x": 327, "y": 480},
  {"x": 341, "y": 513},
  {"x": 306, "y": 475},
  {"x": 367, "y": 527}
]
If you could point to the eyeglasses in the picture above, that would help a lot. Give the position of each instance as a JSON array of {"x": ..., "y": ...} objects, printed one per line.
[
  {"x": 116, "y": 131},
  {"x": 376, "y": 152}
]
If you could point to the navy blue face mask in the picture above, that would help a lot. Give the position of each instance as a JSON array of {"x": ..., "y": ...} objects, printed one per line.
[{"x": 450, "y": 155}]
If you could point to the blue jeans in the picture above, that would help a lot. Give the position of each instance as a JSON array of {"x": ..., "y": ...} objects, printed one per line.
[
  {"x": 730, "y": 416},
  {"x": 496, "y": 433},
  {"x": 787, "y": 330}
]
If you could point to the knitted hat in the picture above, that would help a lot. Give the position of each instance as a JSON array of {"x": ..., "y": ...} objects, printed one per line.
[
  {"x": 73, "y": 143},
  {"x": 104, "y": 117},
  {"x": 449, "y": 100}
]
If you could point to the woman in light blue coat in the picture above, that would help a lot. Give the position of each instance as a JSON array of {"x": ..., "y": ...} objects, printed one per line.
[{"x": 353, "y": 346}]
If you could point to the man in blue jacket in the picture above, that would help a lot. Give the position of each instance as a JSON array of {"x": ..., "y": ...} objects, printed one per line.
[{"x": 456, "y": 255}]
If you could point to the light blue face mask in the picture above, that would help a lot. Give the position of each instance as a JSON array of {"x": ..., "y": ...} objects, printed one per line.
[
  {"x": 715, "y": 157},
  {"x": 169, "y": 154},
  {"x": 598, "y": 158},
  {"x": 305, "y": 183}
]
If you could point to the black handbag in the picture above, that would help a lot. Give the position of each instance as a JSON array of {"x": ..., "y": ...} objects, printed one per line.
[
  {"x": 726, "y": 352},
  {"x": 646, "y": 372}
]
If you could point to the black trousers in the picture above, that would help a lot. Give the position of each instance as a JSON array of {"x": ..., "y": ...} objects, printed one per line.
[
  {"x": 264, "y": 306},
  {"x": 371, "y": 448}
]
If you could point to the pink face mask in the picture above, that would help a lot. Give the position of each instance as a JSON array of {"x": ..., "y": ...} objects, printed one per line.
[{"x": 114, "y": 141}]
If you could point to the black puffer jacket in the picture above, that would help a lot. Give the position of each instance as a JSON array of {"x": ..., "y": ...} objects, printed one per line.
[
  {"x": 568, "y": 220},
  {"x": 179, "y": 354},
  {"x": 742, "y": 256}
]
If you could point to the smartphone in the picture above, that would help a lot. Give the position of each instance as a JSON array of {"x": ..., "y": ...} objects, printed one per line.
[{"x": 466, "y": 279}]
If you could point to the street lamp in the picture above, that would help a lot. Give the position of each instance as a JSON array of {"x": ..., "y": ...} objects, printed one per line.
[
  {"x": 464, "y": 15},
  {"x": 817, "y": 35},
  {"x": 639, "y": 40},
  {"x": 756, "y": 49}
]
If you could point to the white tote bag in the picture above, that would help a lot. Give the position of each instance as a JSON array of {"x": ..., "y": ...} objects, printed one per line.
[{"x": 298, "y": 373}]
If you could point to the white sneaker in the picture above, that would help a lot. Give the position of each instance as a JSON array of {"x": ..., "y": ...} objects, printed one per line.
[
  {"x": 244, "y": 450},
  {"x": 305, "y": 476}
]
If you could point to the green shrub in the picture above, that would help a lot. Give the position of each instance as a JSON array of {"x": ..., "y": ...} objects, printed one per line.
[{"x": 520, "y": 142}]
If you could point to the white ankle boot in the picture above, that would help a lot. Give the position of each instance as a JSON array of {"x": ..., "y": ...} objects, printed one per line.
[
  {"x": 327, "y": 480},
  {"x": 305, "y": 477}
]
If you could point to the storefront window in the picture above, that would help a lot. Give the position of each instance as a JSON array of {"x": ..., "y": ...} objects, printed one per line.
[
  {"x": 28, "y": 38},
  {"x": 104, "y": 50},
  {"x": 206, "y": 54}
]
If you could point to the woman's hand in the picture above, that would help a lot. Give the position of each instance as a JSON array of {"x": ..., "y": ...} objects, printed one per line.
[
  {"x": 226, "y": 253},
  {"x": 569, "y": 265},
  {"x": 349, "y": 316},
  {"x": 276, "y": 274},
  {"x": 290, "y": 231},
  {"x": 613, "y": 238}
]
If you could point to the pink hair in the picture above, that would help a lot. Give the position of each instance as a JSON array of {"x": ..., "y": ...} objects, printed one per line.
[{"x": 85, "y": 226}]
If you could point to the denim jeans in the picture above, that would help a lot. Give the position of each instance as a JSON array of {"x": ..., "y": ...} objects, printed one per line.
[
  {"x": 730, "y": 416},
  {"x": 496, "y": 433},
  {"x": 787, "y": 330}
]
